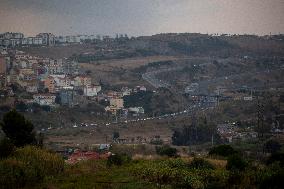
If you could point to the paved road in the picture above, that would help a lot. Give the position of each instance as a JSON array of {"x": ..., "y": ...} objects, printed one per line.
[{"x": 150, "y": 77}]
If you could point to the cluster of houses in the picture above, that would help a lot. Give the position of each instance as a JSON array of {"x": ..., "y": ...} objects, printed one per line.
[
  {"x": 9, "y": 39},
  {"x": 116, "y": 102},
  {"x": 229, "y": 132},
  {"x": 53, "y": 82},
  {"x": 45, "y": 78}
]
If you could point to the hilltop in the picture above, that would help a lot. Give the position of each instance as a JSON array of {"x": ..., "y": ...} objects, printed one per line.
[{"x": 173, "y": 44}]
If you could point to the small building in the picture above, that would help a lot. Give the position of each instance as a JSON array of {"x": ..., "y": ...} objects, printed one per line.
[
  {"x": 49, "y": 83},
  {"x": 44, "y": 99},
  {"x": 126, "y": 91},
  {"x": 92, "y": 90},
  {"x": 136, "y": 110},
  {"x": 82, "y": 81},
  {"x": 116, "y": 102},
  {"x": 32, "y": 86}
]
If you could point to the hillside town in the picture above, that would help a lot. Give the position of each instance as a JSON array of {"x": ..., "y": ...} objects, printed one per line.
[
  {"x": 10, "y": 39},
  {"x": 51, "y": 83}
]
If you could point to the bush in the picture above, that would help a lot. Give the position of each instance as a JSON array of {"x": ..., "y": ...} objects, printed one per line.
[
  {"x": 199, "y": 163},
  {"x": 12, "y": 173},
  {"x": 236, "y": 162},
  {"x": 6, "y": 148},
  {"x": 118, "y": 159},
  {"x": 45, "y": 162},
  {"x": 222, "y": 150},
  {"x": 29, "y": 166},
  {"x": 166, "y": 150}
]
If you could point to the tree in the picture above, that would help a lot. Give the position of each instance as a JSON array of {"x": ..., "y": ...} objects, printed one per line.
[
  {"x": 166, "y": 150},
  {"x": 19, "y": 130}
]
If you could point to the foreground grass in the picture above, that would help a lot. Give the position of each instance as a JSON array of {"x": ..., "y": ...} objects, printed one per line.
[{"x": 96, "y": 174}]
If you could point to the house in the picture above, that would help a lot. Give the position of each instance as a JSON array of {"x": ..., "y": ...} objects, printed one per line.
[
  {"x": 47, "y": 38},
  {"x": 32, "y": 86},
  {"x": 71, "y": 67},
  {"x": 126, "y": 91},
  {"x": 136, "y": 110},
  {"x": 49, "y": 83},
  {"x": 80, "y": 81},
  {"x": 55, "y": 66},
  {"x": 25, "y": 72},
  {"x": 56, "y": 82},
  {"x": 140, "y": 88},
  {"x": 44, "y": 99},
  {"x": 92, "y": 90},
  {"x": 116, "y": 102}
]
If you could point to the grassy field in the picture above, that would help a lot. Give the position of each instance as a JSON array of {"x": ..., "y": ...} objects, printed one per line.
[
  {"x": 97, "y": 174},
  {"x": 119, "y": 72}
]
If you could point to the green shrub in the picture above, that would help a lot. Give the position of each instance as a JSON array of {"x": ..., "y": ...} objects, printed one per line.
[
  {"x": 236, "y": 162},
  {"x": 166, "y": 150},
  {"x": 13, "y": 174},
  {"x": 6, "y": 148},
  {"x": 28, "y": 166},
  {"x": 199, "y": 163},
  {"x": 118, "y": 159},
  {"x": 45, "y": 162},
  {"x": 222, "y": 150}
]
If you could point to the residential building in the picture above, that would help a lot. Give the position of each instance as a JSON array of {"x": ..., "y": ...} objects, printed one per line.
[
  {"x": 49, "y": 83},
  {"x": 126, "y": 91},
  {"x": 55, "y": 66},
  {"x": 140, "y": 88},
  {"x": 92, "y": 90},
  {"x": 136, "y": 110},
  {"x": 44, "y": 99},
  {"x": 116, "y": 102},
  {"x": 47, "y": 38},
  {"x": 67, "y": 96},
  {"x": 82, "y": 81},
  {"x": 71, "y": 67},
  {"x": 32, "y": 86}
]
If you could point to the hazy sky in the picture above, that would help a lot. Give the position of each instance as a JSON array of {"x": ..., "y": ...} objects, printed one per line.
[{"x": 141, "y": 17}]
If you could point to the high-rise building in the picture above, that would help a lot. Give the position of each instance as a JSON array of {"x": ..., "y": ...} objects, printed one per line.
[{"x": 47, "y": 38}]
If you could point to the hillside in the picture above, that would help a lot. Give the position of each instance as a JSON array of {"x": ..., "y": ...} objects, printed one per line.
[{"x": 167, "y": 44}]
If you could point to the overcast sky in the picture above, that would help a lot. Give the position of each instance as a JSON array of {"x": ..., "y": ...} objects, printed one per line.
[{"x": 141, "y": 17}]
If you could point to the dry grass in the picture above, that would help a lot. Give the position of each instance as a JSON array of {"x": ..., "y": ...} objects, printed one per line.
[{"x": 119, "y": 71}]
